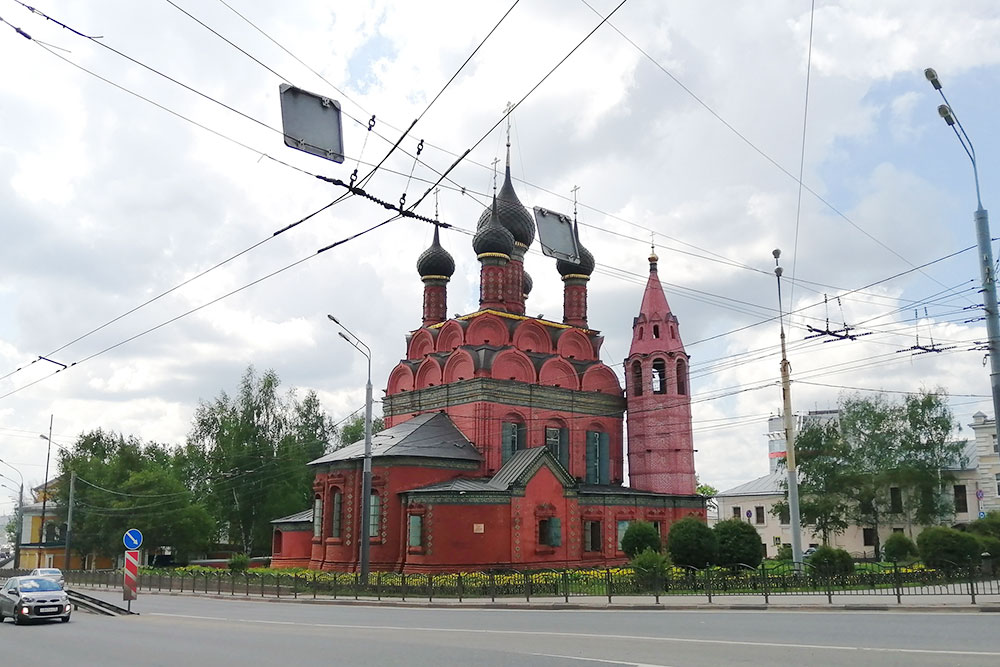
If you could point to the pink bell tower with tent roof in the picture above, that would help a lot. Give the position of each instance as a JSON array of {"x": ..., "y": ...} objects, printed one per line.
[{"x": 658, "y": 397}]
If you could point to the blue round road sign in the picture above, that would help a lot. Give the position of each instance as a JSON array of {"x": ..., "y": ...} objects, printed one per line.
[
  {"x": 982, "y": 515},
  {"x": 132, "y": 538}
]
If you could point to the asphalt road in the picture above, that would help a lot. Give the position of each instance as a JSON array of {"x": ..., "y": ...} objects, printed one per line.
[{"x": 174, "y": 630}]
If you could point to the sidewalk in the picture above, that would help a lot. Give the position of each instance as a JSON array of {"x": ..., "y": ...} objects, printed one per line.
[{"x": 911, "y": 603}]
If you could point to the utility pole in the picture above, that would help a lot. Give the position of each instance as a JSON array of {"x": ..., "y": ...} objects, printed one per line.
[
  {"x": 69, "y": 518},
  {"x": 786, "y": 397}
]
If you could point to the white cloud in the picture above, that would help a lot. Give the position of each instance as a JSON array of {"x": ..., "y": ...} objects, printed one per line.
[{"x": 108, "y": 201}]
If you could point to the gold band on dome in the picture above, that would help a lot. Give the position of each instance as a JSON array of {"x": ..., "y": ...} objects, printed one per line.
[
  {"x": 483, "y": 255},
  {"x": 575, "y": 276},
  {"x": 518, "y": 244},
  {"x": 444, "y": 278}
]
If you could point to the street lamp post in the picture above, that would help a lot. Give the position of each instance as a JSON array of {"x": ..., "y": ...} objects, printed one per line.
[
  {"x": 786, "y": 397},
  {"x": 20, "y": 516},
  {"x": 364, "y": 543},
  {"x": 986, "y": 270},
  {"x": 45, "y": 489}
]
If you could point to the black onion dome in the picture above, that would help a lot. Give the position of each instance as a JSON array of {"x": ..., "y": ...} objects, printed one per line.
[
  {"x": 526, "y": 284},
  {"x": 435, "y": 261},
  {"x": 583, "y": 266},
  {"x": 513, "y": 215},
  {"x": 492, "y": 237}
]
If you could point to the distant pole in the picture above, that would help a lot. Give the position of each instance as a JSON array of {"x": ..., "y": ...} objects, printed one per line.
[
  {"x": 786, "y": 397},
  {"x": 45, "y": 489},
  {"x": 982, "y": 220},
  {"x": 69, "y": 518},
  {"x": 20, "y": 516}
]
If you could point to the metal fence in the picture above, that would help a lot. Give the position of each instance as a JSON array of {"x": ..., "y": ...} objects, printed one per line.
[{"x": 766, "y": 581}]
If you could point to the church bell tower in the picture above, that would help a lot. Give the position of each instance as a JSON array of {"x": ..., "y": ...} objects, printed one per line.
[{"x": 658, "y": 397}]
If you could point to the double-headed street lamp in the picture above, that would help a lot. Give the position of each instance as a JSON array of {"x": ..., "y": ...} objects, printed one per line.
[
  {"x": 364, "y": 543},
  {"x": 982, "y": 220},
  {"x": 20, "y": 514}
]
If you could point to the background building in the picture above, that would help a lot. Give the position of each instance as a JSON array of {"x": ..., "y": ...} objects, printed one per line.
[{"x": 753, "y": 502}]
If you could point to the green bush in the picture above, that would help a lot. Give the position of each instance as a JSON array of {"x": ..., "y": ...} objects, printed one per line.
[
  {"x": 739, "y": 543},
  {"x": 239, "y": 563},
  {"x": 989, "y": 525},
  {"x": 827, "y": 560},
  {"x": 650, "y": 569},
  {"x": 947, "y": 548},
  {"x": 784, "y": 552},
  {"x": 989, "y": 544},
  {"x": 898, "y": 548},
  {"x": 639, "y": 536},
  {"x": 692, "y": 543}
]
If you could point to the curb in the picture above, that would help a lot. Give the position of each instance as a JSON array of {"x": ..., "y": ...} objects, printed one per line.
[{"x": 579, "y": 606}]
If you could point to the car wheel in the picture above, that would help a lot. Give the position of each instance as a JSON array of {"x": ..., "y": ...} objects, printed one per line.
[
  {"x": 64, "y": 619},
  {"x": 17, "y": 619}
]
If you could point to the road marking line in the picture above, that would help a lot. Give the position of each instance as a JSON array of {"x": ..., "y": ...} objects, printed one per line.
[
  {"x": 589, "y": 635},
  {"x": 610, "y": 662}
]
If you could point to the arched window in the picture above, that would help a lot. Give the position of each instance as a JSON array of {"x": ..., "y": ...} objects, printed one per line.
[
  {"x": 656, "y": 331},
  {"x": 336, "y": 512},
  {"x": 637, "y": 378},
  {"x": 318, "y": 516},
  {"x": 276, "y": 543},
  {"x": 659, "y": 376},
  {"x": 513, "y": 437},
  {"x": 640, "y": 333},
  {"x": 682, "y": 388},
  {"x": 374, "y": 514}
]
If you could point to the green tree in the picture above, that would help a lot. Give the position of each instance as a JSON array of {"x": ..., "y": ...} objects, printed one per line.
[
  {"x": 692, "y": 543},
  {"x": 848, "y": 468},
  {"x": 354, "y": 430},
  {"x": 639, "y": 536},
  {"x": 247, "y": 455},
  {"x": 125, "y": 483},
  {"x": 11, "y": 530},
  {"x": 739, "y": 543}
]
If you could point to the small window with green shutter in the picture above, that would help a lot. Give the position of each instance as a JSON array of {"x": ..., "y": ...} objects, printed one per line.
[
  {"x": 415, "y": 532},
  {"x": 550, "y": 532},
  {"x": 593, "y": 458},
  {"x": 336, "y": 513}
]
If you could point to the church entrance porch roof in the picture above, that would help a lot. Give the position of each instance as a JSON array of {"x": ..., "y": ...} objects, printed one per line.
[{"x": 430, "y": 435}]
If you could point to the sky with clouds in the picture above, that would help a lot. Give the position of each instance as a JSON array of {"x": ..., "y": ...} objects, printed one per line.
[{"x": 681, "y": 119}]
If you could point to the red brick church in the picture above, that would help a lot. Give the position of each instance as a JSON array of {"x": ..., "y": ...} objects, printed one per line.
[{"x": 503, "y": 445}]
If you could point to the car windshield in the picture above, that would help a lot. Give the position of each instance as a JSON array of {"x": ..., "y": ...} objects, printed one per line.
[
  {"x": 49, "y": 571},
  {"x": 32, "y": 585}
]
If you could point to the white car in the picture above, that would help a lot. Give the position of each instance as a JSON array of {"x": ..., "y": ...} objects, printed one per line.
[{"x": 52, "y": 573}]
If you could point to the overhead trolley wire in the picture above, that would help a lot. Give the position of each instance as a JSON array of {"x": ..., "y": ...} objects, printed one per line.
[{"x": 753, "y": 146}]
